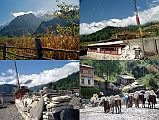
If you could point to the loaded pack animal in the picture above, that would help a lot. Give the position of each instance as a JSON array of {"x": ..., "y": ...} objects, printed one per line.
[
  {"x": 142, "y": 99},
  {"x": 130, "y": 100},
  {"x": 139, "y": 98},
  {"x": 136, "y": 99},
  {"x": 115, "y": 102},
  {"x": 151, "y": 98}
]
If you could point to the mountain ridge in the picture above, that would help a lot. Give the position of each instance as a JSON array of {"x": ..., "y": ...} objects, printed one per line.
[{"x": 24, "y": 24}]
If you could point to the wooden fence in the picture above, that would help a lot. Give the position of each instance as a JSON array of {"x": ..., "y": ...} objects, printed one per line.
[{"x": 39, "y": 52}]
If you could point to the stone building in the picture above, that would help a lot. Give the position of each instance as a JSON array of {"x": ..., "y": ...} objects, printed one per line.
[
  {"x": 125, "y": 79},
  {"x": 86, "y": 75}
]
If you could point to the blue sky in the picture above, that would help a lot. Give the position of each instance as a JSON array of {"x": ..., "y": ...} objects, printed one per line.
[
  {"x": 7, "y": 7},
  {"x": 31, "y": 66},
  {"x": 98, "y": 10},
  {"x": 98, "y": 14},
  {"x": 37, "y": 70}
]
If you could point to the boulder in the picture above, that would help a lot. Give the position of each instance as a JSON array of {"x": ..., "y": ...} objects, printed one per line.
[
  {"x": 38, "y": 110},
  {"x": 69, "y": 114},
  {"x": 34, "y": 104},
  {"x": 57, "y": 109},
  {"x": 56, "y": 116},
  {"x": 61, "y": 98}
]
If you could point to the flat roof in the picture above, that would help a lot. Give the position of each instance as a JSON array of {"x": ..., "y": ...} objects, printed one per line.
[
  {"x": 87, "y": 66},
  {"x": 107, "y": 43}
]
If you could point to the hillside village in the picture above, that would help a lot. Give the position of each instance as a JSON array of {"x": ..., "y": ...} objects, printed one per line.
[
  {"x": 103, "y": 83},
  {"x": 129, "y": 76}
]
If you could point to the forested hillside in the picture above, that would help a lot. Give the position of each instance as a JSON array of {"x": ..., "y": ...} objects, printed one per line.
[
  {"x": 7, "y": 88},
  {"x": 107, "y": 32},
  {"x": 70, "y": 82}
]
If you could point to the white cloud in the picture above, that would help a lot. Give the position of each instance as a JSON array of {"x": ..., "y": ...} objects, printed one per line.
[
  {"x": 45, "y": 76},
  {"x": 146, "y": 16},
  {"x": 7, "y": 76},
  {"x": 153, "y": 3},
  {"x": 3, "y": 74},
  {"x": 21, "y": 13},
  {"x": 10, "y": 71},
  {"x": 2, "y": 83},
  {"x": 38, "y": 13}
]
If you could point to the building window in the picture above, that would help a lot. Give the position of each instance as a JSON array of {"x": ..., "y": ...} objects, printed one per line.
[
  {"x": 81, "y": 70},
  {"x": 82, "y": 81},
  {"x": 90, "y": 72},
  {"x": 89, "y": 81}
]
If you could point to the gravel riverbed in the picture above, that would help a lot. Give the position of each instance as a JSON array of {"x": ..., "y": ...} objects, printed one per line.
[
  {"x": 10, "y": 112},
  {"x": 97, "y": 113}
]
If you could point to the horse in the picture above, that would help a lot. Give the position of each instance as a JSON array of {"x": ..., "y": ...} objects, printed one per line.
[
  {"x": 115, "y": 102},
  {"x": 130, "y": 100},
  {"x": 136, "y": 99},
  {"x": 142, "y": 99},
  {"x": 152, "y": 99}
]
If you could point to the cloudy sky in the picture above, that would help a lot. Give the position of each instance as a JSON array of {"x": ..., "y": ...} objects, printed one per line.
[
  {"x": 12, "y": 8},
  {"x": 40, "y": 72},
  {"x": 96, "y": 15}
]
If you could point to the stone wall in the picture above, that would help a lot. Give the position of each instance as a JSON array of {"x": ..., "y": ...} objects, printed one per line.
[
  {"x": 101, "y": 56},
  {"x": 149, "y": 43},
  {"x": 47, "y": 103}
]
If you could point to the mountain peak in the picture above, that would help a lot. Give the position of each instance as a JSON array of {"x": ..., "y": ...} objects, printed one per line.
[{"x": 28, "y": 21}]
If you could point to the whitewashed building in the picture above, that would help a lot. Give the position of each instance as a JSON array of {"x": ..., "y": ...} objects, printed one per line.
[{"x": 116, "y": 50}]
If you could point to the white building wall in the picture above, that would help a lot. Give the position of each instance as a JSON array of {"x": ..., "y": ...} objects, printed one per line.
[
  {"x": 86, "y": 81},
  {"x": 101, "y": 56}
]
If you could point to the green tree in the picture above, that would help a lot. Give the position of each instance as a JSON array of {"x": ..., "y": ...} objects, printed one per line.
[{"x": 70, "y": 14}]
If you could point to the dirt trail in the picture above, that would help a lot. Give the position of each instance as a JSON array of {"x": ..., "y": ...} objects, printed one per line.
[
  {"x": 10, "y": 113},
  {"x": 97, "y": 113}
]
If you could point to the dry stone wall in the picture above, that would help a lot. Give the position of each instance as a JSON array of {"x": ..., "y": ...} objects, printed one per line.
[{"x": 48, "y": 104}]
